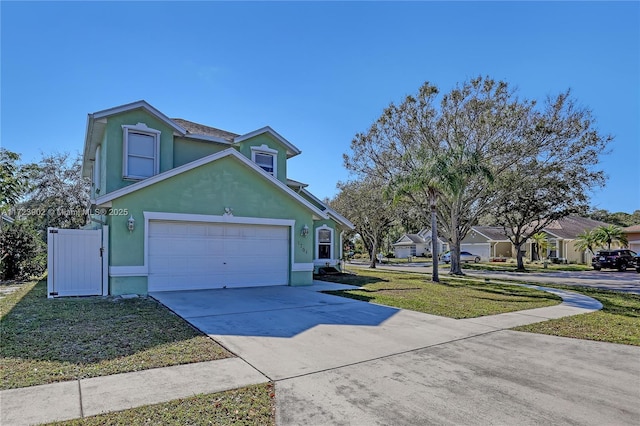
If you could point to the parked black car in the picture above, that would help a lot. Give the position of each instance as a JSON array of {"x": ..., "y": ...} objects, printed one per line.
[
  {"x": 615, "y": 259},
  {"x": 637, "y": 259}
]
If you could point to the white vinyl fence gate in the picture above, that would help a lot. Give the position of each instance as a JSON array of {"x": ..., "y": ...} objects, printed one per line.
[{"x": 77, "y": 262}]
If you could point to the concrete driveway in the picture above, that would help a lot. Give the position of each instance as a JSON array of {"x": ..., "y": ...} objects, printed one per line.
[{"x": 342, "y": 361}]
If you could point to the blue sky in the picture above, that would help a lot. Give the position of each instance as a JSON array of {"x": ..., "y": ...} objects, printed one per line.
[{"x": 317, "y": 73}]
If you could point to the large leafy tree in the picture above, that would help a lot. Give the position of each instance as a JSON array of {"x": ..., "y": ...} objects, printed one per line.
[
  {"x": 475, "y": 131},
  {"x": 372, "y": 214},
  {"x": 58, "y": 195},
  {"x": 23, "y": 254},
  {"x": 554, "y": 177},
  {"x": 12, "y": 182},
  {"x": 619, "y": 218}
]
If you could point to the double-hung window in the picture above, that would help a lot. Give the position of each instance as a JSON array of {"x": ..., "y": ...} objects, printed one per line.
[
  {"x": 265, "y": 161},
  {"x": 141, "y": 147},
  {"x": 266, "y": 158},
  {"x": 324, "y": 241}
]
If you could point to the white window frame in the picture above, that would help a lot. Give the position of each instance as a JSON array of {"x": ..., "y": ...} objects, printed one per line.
[
  {"x": 265, "y": 150},
  {"x": 331, "y": 244},
  {"x": 140, "y": 128}
]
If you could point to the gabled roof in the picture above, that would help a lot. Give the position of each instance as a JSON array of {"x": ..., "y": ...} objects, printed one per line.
[
  {"x": 230, "y": 152},
  {"x": 422, "y": 237},
  {"x": 296, "y": 184},
  {"x": 409, "y": 240},
  {"x": 632, "y": 228},
  {"x": 334, "y": 214},
  {"x": 568, "y": 228},
  {"x": 143, "y": 105},
  {"x": 415, "y": 238},
  {"x": 96, "y": 123},
  {"x": 291, "y": 149},
  {"x": 425, "y": 234},
  {"x": 197, "y": 130},
  {"x": 492, "y": 233}
]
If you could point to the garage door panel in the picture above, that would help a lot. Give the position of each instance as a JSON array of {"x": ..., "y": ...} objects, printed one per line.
[
  {"x": 215, "y": 230},
  {"x": 192, "y": 255},
  {"x": 480, "y": 249}
]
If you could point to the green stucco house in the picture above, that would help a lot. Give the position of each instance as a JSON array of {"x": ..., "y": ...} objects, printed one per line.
[{"x": 188, "y": 206}]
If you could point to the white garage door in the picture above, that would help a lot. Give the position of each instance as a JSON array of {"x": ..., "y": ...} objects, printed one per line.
[
  {"x": 198, "y": 255},
  {"x": 481, "y": 249}
]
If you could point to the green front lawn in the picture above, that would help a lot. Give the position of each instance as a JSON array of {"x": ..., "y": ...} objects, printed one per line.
[
  {"x": 51, "y": 340},
  {"x": 454, "y": 298},
  {"x": 617, "y": 322},
  {"x": 253, "y": 405}
]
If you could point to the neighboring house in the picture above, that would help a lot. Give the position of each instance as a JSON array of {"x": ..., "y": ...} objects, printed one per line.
[
  {"x": 488, "y": 242},
  {"x": 562, "y": 234},
  {"x": 190, "y": 206},
  {"x": 417, "y": 245},
  {"x": 633, "y": 237},
  {"x": 491, "y": 242}
]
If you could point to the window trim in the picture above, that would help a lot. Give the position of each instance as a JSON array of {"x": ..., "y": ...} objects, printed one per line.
[
  {"x": 265, "y": 150},
  {"x": 331, "y": 244},
  {"x": 143, "y": 129},
  {"x": 97, "y": 170}
]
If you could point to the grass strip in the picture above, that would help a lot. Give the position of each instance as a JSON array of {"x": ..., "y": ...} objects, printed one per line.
[
  {"x": 252, "y": 405},
  {"x": 453, "y": 298},
  {"x": 51, "y": 340},
  {"x": 617, "y": 322}
]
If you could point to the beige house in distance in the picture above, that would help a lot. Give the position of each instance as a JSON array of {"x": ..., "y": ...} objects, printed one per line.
[
  {"x": 633, "y": 237},
  {"x": 562, "y": 235}
]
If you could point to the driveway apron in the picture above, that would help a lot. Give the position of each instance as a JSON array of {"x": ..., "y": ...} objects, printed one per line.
[
  {"x": 287, "y": 331},
  {"x": 344, "y": 361}
]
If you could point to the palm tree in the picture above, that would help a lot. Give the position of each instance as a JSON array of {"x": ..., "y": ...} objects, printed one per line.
[
  {"x": 542, "y": 244},
  {"x": 458, "y": 167},
  {"x": 427, "y": 179},
  {"x": 609, "y": 233},
  {"x": 588, "y": 240}
]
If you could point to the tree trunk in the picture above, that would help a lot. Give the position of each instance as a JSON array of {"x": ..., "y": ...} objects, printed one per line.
[
  {"x": 520, "y": 261},
  {"x": 374, "y": 248},
  {"x": 434, "y": 243},
  {"x": 456, "y": 269}
]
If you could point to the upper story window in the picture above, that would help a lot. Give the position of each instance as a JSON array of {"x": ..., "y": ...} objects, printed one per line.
[
  {"x": 141, "y": 146},
  {"x": 266, "y": 158}
]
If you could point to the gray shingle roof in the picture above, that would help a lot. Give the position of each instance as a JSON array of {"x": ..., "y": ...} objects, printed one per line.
[
  {"x": 201, "y": 129},
  {"x": 570, "y": 227},
  {"x": 494, "y": 233},
  {"x": 415, "y": 238}
]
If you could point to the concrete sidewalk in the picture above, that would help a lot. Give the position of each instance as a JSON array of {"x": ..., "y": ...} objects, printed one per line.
[{"x": 88, "y": 397}]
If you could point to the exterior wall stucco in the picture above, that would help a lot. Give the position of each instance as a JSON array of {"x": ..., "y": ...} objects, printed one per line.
[
  {"x": 205, "y": 190},
  {"x": 127, "y": 285},
  {"x": 112, "y": 149},
  {"x": 265, "y": 139},
  {"x": 188, "y": 150}
]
